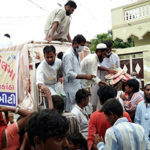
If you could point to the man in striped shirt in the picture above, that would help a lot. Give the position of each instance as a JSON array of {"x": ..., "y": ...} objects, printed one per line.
[
  {"x": 123, "y": 135},
  {"x": 134, "y": 97}
]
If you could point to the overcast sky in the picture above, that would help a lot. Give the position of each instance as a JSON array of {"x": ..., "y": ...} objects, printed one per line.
[{"x": 24, "y": 19}]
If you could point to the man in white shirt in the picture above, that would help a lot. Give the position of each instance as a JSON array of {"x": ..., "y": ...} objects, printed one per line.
[
  {"x": 89, "y": 65},
  {"x": 107, "y": 66},
  {"x": 82, "y": 100},
  {"x": 47, "y": 72},
  {"x": 72, "y": 71},
  {"x": 58, "y": 23},
  {"x": 110, "y": 62}
]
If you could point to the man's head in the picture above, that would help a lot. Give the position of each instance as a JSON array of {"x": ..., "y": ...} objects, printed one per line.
[
  {"x": 131, "y": 86},
  {"x": 109, "y": 45},
  {"x": 49, "y": 54},
  {"x": 58, "y": 103},
  {"x": 70, "y": 6},
  {"x": 47, "y": 130},
  {"x": 147, "y": 92},
  {"x": 77, "y": 141},
  {"x": 105, "y": 93},
  {"x": 82, "y": 97},
  {"x": 113, "y": 110},
  {"x": 60, "y": 55},
  {"x": 7, "y": 35},
  {"x": 101, "y": 51},
  {"x": 78, "y": 43}
]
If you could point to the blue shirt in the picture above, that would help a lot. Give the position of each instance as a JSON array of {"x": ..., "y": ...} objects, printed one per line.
[
  {"x": 142, "y": 117},
  {"x": 124, "y": 135}
]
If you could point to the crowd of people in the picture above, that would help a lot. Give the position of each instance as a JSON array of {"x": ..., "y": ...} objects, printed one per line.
[
  {"x": 81, "y": 111},
  {"x": 70, "y": 119}
]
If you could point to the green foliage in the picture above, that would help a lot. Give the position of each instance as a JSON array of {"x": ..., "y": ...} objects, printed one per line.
[{"x": 118, "y": 43}]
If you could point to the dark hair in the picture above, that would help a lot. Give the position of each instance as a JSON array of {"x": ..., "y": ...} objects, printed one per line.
[
  {"x": 113, "y": 106},
  {"x": 77, "y": 139},
  {"x": 71, "y": 4},
  {"x": 81, "y": 95},
  {"x": 108, "y": 43},
  {"x": 60, "y": 55},
  {"x": 134, "y": 84},
  {"x": 105, "y": 93},
  {"x": 7, "y": 35},
  {"x": 79, "y": 39},
  {"x": 58, "y": 103},
  {"x": 48, "y": 49},
  {"x": 45, "y": 124}
]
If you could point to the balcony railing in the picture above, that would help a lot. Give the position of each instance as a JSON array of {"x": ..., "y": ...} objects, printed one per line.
[{"x": 140, "y": 12}]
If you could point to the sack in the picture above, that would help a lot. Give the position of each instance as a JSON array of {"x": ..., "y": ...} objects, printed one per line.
[{"x": 27, "y": 103}]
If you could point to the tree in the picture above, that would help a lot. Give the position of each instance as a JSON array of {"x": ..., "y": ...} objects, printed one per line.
[{"x": 118, "y": 43}]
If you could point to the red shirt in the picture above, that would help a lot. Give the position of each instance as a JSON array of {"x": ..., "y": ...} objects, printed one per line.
[{"x": 98, "y": 124}]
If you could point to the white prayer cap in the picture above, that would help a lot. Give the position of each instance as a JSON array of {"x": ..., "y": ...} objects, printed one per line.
[
  {"x": 101, "y": 46},
  {"x": 148, "y": 83}
]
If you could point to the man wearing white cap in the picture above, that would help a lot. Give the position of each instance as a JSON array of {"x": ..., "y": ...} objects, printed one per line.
[
  {"x": 110, "y": 62},
  {"x": 107, "y": 66},
  {"x": 89, "y": 66},
  {"x": 142, "y": 115}
]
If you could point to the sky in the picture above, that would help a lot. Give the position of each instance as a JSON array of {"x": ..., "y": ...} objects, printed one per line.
[{"x": 24, "y": 19}]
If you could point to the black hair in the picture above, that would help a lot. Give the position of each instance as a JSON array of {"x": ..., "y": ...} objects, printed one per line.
[
  {"x": 7, "y": 35},
  {"x": 134, "y": 84},
  {"x": 71, "y": 4},
  {"x": 48, "y": 49},
  {"x": 79, "y": 39},
  {"x": 78, "y": 139},
  {"x": 58, "y": 103},
  {"x": 81, "y": 95},
  {"x": 123, "y": 86},
  {"x": 113, "y": 106},
  {"x": 60, "y": 55},
  {"x": 108, "y": 43},
  {"x": 45, "y": 124},
  {"x": 105, "y": 93}
]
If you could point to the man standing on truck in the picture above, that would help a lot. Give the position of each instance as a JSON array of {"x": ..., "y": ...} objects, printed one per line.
[
  {"x": 108, "y": 66},
  {"x": 72, "y": 71},
  {"x": 58, "y": 23},
  {"x": 47, "y": 73}
]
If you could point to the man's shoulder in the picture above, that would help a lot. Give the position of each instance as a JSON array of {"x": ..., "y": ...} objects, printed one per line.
[
  {"x": 140, "y": 104},
  {"x": 57, "y": 10},
  {"x": 58, "y": 61},
  {"x": 115, "y": 55},
  {"x": 68, "y": 53},
  {"x": 138, "y": 127},
  {"x": 97, "y": 115},
  {"x": 137, "y": 95},
  {"x": 43, "y": 63},
  {"x": 89, "y": 58},
  {"x": 75, "y": 110}
]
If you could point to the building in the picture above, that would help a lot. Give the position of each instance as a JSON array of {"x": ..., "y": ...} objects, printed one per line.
[{"x": 134, "y": 20}]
